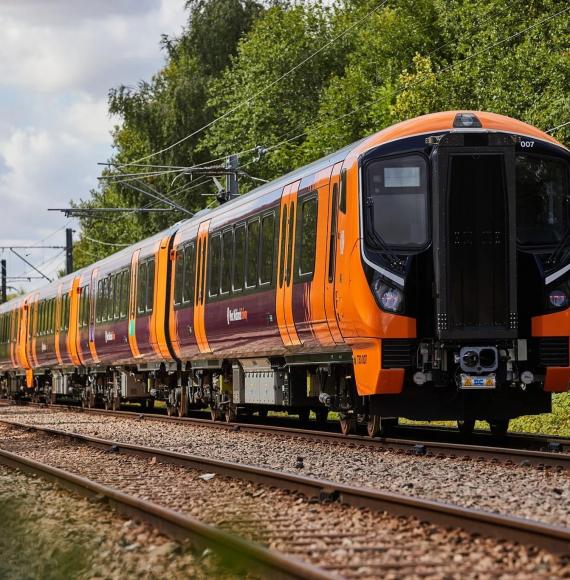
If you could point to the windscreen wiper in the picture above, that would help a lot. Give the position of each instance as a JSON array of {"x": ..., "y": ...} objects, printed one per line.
[
  {"x": 561, "y": 249},
  {"x": 393, "y": 260}
]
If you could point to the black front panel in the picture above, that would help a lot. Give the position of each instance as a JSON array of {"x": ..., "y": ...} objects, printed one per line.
[
  {"x": 478, "y": 258},
  {"x": 474, "y": 231}
]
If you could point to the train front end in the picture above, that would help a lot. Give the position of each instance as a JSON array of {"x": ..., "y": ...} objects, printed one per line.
[{"x": 465, "y": 232}]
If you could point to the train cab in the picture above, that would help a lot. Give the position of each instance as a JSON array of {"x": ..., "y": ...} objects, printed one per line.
[{"x": 466, "y": 234}]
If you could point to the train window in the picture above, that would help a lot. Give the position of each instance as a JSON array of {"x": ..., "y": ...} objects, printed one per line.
[
  {"x": 543, "y": 200},
  {"x": 342, "y": 202},
  {"x": 267, "y": 240},
  {"x": 292, "y": 217},
  {"x": 332, "y": 240},
  {"x": 179, "y": 275},
  {"x": 109, "y": 299},
  {"x": 150, "y": 286},
  {"x": 116, "y": 298},
  {"x": 215, "y": 259},
  {"x": 308, "y": 236},
  {"x": 98, "y": 304},
  {"x": 63, "y": 311},
  {"x": 189, "y": 273},
  {"x": 84, "y": 299},
  {"x": 252, "y": 254},
  {"x": 239, "y": 258},
  {"x": 227, "y": 250},
  {"x": 125, "y": 293},
  {"x": 396, "y": 202},
  {"x": 118, "y": 289},
  {"x": 81, "y": 307},
  {"x": 50, "y": 316},
  {"x": 141, "y": 288},
  {"x": 85, "y": 294},
  {"x": 103, "y": 299}
]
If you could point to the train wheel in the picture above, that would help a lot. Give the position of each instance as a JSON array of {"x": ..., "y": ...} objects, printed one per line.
[
  {"x": 347, "y": 424},
  {"x": 116, "y": 404},
  {"x": 374, "y": 425},
  {"x": 322, "y": 414},
  {"x": 215, "y": 414},
  {"x": 230, "y": 414},
  {"x": 170, "y": 410},
  {"x": 91, "y": 400},
  {"x": 466, "y": 427},
  {"x": 304, "y": 415},
  {"x": 499, "y": 427}
]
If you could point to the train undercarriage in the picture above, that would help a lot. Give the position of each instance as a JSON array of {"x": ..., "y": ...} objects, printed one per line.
[{"x": 437, "y": 386}]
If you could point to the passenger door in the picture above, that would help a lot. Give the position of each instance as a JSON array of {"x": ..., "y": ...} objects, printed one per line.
[
  {"x": 332, "y": 249},
  {"x": 200, "y": 287},
  {"x": 285, "y": 262}
]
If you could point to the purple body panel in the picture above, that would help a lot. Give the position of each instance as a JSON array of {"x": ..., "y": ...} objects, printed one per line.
[
  {"x": 242, "y": 325},
  {"x": 112, "y": 342}
]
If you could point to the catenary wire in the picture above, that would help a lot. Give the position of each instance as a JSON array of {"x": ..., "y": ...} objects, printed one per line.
[{"x": 264, "y": 89}]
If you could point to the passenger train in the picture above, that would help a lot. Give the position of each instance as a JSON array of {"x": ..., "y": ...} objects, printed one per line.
[{"x": 422, "y": 272}]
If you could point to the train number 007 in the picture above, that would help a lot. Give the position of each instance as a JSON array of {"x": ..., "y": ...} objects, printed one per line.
[{"x": 527, "y": 144}]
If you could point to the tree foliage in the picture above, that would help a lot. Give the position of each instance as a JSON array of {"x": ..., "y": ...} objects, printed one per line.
[{"x": 302, "y": 79}]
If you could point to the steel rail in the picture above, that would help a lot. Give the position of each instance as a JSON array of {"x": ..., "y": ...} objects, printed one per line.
[
  {"x": 549, "y": 537},
  {"x": 509, "y": 455},
  {"x": 244, "y": 555}
]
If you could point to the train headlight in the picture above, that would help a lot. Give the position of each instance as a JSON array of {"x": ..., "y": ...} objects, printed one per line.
[
  {"x": 391, "y": 299},
  {"x": 466, "y": 121},
  {"x": 558, "y": 299}
]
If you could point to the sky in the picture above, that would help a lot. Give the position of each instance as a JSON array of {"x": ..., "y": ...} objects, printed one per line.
[{"x": 58, "y": 60}]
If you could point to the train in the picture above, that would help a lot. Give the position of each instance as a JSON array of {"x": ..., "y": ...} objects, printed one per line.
[{"x": 422, "y": 272}]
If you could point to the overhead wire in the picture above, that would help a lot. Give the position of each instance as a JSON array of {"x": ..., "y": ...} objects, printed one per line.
[
  {"x": 557, "y": 127},
  {"x": 262, "y": 90}
]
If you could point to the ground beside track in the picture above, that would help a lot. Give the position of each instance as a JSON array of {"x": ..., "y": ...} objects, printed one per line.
[
  {"x": 556, "y": 423},
  {"x": 348, "y": 541},
  {"x": 50, "y": 533},
  {"x": 529, "y": 492}
]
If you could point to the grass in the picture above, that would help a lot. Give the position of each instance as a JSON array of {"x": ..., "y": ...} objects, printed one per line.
[
  {"x": 555, "y": 423},
  {"x": 31, "y": 549}
]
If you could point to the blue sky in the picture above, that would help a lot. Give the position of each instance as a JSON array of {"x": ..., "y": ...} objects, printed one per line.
[{"x": 58, "y": 60}]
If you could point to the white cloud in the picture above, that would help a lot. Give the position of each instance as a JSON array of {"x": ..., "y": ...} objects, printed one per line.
[{"x": 58, "y": 60}]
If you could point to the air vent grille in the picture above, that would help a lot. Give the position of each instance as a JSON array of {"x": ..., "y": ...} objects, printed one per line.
[
  {"x": 398, "y": 353},
  {"x": 553, "y": 352}
]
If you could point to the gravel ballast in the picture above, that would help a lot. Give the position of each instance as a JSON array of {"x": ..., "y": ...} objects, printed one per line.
[
  {"x": 50, "y": 533},
  {"x": 528, "y": 492},
  {"x": 345, "y": 540}
]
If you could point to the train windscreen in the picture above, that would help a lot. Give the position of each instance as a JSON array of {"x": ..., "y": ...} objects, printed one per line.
[
  {"x": 396, "y": 202},
  {"x": 543, "y": 200}
]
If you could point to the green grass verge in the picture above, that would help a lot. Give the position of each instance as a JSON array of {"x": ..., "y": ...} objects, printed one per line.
[{"x": 555, "y": 423}]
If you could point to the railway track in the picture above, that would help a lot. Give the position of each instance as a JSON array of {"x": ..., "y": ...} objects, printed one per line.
[
  {"x": 244, "y": 555},
  {"x": 515, "y": 529},
  {"x": 558, "y": 455}
]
